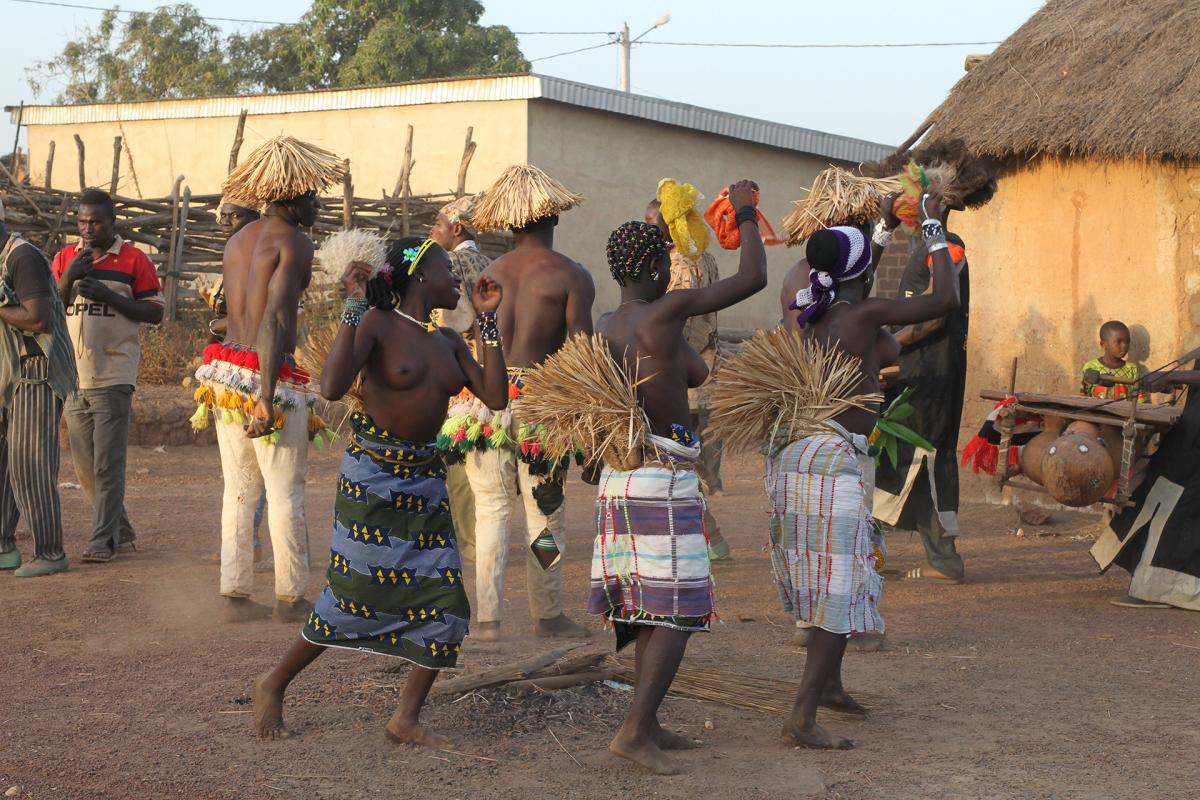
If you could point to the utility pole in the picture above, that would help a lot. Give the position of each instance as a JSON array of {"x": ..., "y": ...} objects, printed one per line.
[{"x": 627, "y": 45}]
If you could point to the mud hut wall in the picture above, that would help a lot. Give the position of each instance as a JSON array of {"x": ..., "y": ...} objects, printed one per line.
[
  {"x": 1065, "y": 246},
  {"x": 372, "y": 138},
  {"x": 616, "y": 163}
]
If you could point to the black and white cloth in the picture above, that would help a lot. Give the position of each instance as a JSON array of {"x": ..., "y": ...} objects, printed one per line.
[{"x": 1158, "y": 539}]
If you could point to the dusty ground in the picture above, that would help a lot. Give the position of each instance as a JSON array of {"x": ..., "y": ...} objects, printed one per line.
[{"x": 121, "y": 683}]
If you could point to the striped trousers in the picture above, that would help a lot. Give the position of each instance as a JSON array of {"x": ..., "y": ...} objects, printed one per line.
[{"x": 29, "y": 462}]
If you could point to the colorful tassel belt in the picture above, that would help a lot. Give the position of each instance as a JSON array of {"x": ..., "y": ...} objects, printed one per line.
[
  {"x": 230, "y": 386},
  {"x": 471, "y": 425}
]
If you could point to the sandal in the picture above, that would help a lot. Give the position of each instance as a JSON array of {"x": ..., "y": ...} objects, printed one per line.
[
  {"x": 96, "y": 558},
  {"x": 930, "y": 574}
]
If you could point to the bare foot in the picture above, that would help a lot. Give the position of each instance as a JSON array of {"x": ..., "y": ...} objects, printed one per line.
[
  {"x": 837, "y": 698},
  {"x": 867, "y": 643},
  {"x": 296, "y": 611},
  {"x": 414, "y": 733},
  {"x": 800, "y": 637},
  {"x": 560, "y": 626},
  {"x": 241, "y": 609},
  {"x": 485, "y": 631},
  {"x": 669, "y": 740},
  {"x": 814, "y": 736},
  {"x": 268, "y": 710},
  {"x": 644, "y": 753}
]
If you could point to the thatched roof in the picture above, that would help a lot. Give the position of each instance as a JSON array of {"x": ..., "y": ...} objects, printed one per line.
[{"x": 1103, "y": 78}]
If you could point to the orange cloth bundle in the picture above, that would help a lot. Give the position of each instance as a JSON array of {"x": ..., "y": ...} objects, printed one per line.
[{"x": 720, "y": 217}]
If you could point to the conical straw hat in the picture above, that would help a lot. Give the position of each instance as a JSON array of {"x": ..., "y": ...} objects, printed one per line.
[
  {"x": 521, "y": 195},
  {"x": 280, "y": 169}
]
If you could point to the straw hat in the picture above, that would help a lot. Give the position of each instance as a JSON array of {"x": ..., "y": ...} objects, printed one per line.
[
  {"x": 461, "y": 211},
  {"x": 280, "y": 169},
  {"x": 521, "y": 195},
  {"x": 837, "y": 197}
]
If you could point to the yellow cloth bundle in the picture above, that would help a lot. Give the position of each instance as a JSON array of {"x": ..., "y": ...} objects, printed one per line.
[{"x": 677, "y": 202}]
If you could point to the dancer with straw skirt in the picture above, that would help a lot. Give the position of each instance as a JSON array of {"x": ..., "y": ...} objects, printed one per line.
[
  {"x": 395, "y": 580},
  {"x": 650, "y": 567},
  {"x": 549, "y": 297},
  {"x": 251, "y": 382},
  {"x": 818, "y": 474}
]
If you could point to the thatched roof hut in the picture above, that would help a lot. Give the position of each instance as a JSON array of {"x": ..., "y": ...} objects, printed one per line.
[
  {"x": 1085, "y": 78},
  {"x": 1089, "y": 108}
]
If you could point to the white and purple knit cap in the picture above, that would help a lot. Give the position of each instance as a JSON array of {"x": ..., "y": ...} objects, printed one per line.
[{"x": 853, "y": 256}]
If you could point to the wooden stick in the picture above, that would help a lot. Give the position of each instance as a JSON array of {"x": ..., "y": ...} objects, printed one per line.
[
  {"x": 171, "y": 283},
  {"x": 17, "y": 137},
  {"x": 116, "y": 171},
  {"x": 468, "y": 153},
  {"x": 237, "y": 141},
  {"x": 49, "y": 164},
  {"x": 347, "y": 197},
  {"x": 79, "y": 147},
  {"x": 402, "y": 187},
  {"x": 552, "y": 682},
  {"x": 19, "y": 190},
  {"x": 1012, "y": 379},
  {"x": 505, "y": 673},
  {"x": 52, "y": 243}
]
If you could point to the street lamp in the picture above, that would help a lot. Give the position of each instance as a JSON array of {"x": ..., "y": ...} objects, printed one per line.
[{"x": 627, "y": 45}]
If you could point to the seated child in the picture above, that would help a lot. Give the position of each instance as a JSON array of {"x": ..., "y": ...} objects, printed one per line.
[{"x": 1114, "y": 346}]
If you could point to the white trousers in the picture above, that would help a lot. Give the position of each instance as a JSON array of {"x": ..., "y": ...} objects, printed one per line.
[
  {"x": 497, "y": 476},
  {"x": 249, "y": 466}
]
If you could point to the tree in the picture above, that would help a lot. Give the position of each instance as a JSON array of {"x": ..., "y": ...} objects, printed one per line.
[
  {"x": 174, "y": 52},
  {"x": 171, "y": 52}
]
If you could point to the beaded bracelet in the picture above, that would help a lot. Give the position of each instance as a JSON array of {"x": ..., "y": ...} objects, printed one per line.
[
  {"x": 353, "y": 310},
  {"x": 882, "y": 235},
  {"x": 746, "y": 214},
  {"x": 489, "y": 328}
]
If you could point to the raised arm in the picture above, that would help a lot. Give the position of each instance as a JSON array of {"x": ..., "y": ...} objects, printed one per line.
[
  {"x": 579, "y": 303},
  {"x": 278, "y": 325},
  {"x": 938, "y": 303},
  {"x": 355, "y": 337},
  {"x": 488, "y": 382},
  {"x": 751, "y": 275}
]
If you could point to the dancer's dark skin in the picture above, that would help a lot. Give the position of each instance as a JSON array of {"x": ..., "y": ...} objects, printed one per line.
[
  {"x": 648, "y": 325},
  {"x": 409, "y": 376},
  {"x": 853, "y": 325}
]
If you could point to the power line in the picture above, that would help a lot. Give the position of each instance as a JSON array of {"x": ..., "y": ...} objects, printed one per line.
[
  {"x": 565, "y": 33},
  {"x": 817, "y": 46},
  {"x": 157, "y": 11},
  {"x": 572, "y": 52}
]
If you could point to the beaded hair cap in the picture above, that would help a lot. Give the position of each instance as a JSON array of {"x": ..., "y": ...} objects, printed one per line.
[{"x": 633, "y": 246}]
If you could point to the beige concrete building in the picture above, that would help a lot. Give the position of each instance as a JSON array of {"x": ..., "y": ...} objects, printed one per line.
[
  {"x": 1097, "y": 215},
  {"x": 610, "y": 146}
]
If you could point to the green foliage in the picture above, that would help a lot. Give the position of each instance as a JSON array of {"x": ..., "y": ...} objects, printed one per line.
[
  {"x": 888, "y": 433},
  {"x": 174, "y": 52},
  {"x": 171, "y": 52}
]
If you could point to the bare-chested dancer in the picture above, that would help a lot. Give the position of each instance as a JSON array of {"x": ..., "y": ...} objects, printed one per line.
[
  {"x": 548, "y": 297},
  {"x": 823, "y": 562},
  {"x": 650, "y": 567},
  {"x": 395, "y": 578},
  {"x": 267, "y": 266}
]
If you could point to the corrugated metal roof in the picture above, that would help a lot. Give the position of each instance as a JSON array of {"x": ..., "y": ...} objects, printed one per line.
[{"x": 466, "y": 90}]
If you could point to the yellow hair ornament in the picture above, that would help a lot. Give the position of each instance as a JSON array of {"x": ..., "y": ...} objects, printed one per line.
[
  {"x": 413, "y": 254},
  {"x": 677, "y": 202}
]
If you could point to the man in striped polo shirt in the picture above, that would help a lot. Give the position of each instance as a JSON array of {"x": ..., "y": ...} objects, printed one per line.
[{"x": 109, "y": 288}]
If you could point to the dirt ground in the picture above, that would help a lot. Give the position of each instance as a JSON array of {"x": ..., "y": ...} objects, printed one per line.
[{"x": 120, "y": 681}]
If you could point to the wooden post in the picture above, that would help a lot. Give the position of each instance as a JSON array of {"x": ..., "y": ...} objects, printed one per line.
[
  {"x": 171, "y": 279},
  {"x": 347, "y": 197},
  {"x": 1012, "y": 380},
  {"x": 237, "y": 140},
  {"x": 169, "y": 255},
  {"x": 402, "y": 187},
  {"x": 50, "y": 164},
  {"x": 79, "y": 147},
  {"x": 17, "y": 138},
  {"x": 53, "y": 243},
  {"x": 116, "y": 172},
  {"x": 468, "y": 153}
]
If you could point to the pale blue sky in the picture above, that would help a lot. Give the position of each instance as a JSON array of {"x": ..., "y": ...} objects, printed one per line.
[{"x": 877, "y": 94}]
